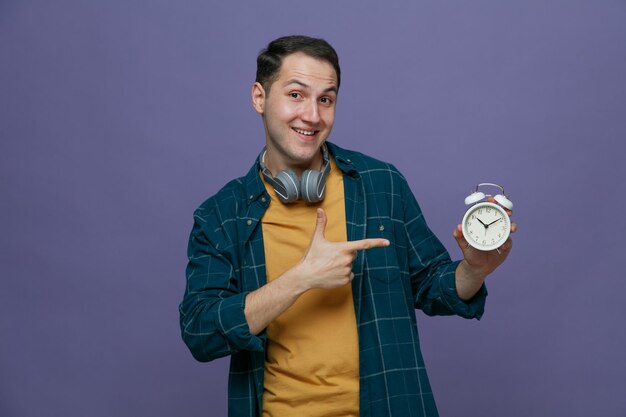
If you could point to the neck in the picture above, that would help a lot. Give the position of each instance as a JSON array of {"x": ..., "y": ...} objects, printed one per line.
[{"x": 298, "y": 167}]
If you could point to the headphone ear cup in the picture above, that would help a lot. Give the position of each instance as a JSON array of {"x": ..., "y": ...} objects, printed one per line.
[
  {"x": 287, "y": 186},
  {"x": 474, "y": 198},
  {"x": 310, "y": 186},
  {"x": 503, "y": 201}
]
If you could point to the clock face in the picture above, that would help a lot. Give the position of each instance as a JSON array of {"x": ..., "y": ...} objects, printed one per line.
[{"x": 486, "y": 226}]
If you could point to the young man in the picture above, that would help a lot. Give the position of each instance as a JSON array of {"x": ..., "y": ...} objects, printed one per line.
[{"x": 308, "y": 269}]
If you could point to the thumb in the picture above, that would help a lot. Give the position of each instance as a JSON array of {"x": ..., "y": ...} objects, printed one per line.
[
  {"x": 320, "y": 226},
  {"x": 457, "y": 233},
  {"x": 460, "y": 239}
]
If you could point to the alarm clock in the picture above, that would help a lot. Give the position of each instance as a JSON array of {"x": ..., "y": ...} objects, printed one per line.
[{"x": 486, "y": 225}]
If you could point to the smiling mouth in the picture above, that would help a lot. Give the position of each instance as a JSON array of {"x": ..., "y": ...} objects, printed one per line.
[{"x": 305, "y": 132}]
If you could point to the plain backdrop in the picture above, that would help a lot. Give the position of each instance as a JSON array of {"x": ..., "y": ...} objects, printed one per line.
[{"x": 118, "y": 118}]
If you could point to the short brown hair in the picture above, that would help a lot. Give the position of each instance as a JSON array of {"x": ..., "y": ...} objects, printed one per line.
[{"x": 270, "y": 59}]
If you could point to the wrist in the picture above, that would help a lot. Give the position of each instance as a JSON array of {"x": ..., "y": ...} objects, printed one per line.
[
  {"x": 470, "y": 273},
  {"x": 468, "y": 280},
  {"x": 294, "y": 281}
]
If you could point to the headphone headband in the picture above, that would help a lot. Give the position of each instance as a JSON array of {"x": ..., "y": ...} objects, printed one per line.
[{"x": 288, "y": 187}]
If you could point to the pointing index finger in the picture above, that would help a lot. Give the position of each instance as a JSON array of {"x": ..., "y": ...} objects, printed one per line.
[{"x": 365, "y": 244}]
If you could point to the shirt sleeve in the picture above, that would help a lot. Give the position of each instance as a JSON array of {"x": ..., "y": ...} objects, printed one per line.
[
  {"x": 431, "y": 270},
  {"x": 212, "y": 317}
]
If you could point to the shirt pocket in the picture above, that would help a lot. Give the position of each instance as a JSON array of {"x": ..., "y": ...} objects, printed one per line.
[{"x": 381, "y": 264}]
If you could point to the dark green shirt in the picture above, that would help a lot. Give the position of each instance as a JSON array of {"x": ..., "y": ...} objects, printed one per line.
[{"x": 226, "y": 261}]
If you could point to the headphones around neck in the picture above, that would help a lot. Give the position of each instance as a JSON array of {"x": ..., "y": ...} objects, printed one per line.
[
  {"x": 501, "y": 199},
  {"x": 289, "y": 188}
]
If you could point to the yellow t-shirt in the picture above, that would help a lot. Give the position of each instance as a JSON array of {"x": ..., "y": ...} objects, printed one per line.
[{"x": 312, "y": 357}]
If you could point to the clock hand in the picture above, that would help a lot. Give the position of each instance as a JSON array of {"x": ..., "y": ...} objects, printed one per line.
[
  {"x": 481, "y": 222},
  {"x": 495, "y": 221}
]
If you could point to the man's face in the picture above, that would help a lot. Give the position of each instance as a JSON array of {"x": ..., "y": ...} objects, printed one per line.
[{"x": 298, "y": 112}]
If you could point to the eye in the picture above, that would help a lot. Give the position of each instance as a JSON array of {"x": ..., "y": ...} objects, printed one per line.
[
  {"x": 295, "y": 95},
  {"x": 326, "y": 100}
]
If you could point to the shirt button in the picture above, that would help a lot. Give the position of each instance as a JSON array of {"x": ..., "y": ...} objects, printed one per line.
[
  {"x": 251, "y": 197},
  {"x": 249, "y": 222},
  {"x": 263, "y": 199},
  {"x": 381, "y": 227},
  {"x": 349, "y": 161}
]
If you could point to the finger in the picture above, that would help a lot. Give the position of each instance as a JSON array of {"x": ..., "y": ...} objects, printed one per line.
[
  {"x": 320, "y": 226},
  {"x": 493, "y": 200},
  {"x": 365, "y": 244},
  {"x": 506, "y": 246},
  {"x": 513, "y": 227},
  {"x": 457, "y": 234}
]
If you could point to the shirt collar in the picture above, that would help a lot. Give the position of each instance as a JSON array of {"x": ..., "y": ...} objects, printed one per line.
[{"x": 343, "y": 159}]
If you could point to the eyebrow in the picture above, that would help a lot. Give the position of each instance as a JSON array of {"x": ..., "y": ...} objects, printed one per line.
[{"x": 304, "y": 85}]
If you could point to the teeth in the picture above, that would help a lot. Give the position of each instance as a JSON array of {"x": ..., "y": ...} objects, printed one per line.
[{"x": 305, "y": 132}]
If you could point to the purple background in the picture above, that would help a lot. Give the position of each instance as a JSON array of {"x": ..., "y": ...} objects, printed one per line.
[{"x": 118, "y": 118}]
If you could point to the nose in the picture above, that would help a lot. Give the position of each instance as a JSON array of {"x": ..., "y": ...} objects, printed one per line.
[{"x": 311, "y": 112}]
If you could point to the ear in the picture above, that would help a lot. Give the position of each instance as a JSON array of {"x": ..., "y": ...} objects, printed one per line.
[{"x": 258, "y": 97}]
